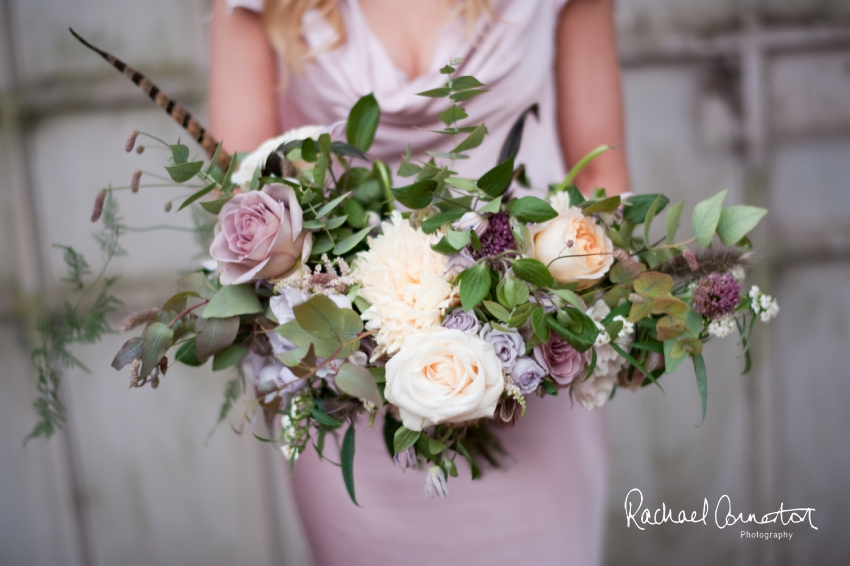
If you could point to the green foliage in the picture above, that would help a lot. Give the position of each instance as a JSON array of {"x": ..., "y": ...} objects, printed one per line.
[
  {"x": 346, "y": 458},
  {"x": 363, "y": 122},
  {"x": 233, "y": 300},
  {"x": 474, "y": 285},
  {"x": 737, "y": 221},
  {"x": 358, "y": 382},
  {"x": 404, "y": 438},
  {"x": 705, "y": 218},
  {"x": 83, "y": 322},
  {"x": 533, "y": 271},
  {"x": 531, "y": 209}
]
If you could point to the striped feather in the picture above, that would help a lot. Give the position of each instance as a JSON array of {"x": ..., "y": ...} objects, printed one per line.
[{"x": 175, "y": 110}]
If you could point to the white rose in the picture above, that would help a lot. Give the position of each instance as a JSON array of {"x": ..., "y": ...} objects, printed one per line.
[
  {"x": 444, "y": 376},
  {"x": 571, "y": 233},
  {"x": 256, "y": 159}
]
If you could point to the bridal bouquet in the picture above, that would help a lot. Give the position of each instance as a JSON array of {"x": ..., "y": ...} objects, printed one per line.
[{"x": 442, "y": 304}]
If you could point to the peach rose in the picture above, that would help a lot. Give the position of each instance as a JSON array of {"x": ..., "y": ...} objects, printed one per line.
[{"x": 572, "y": 245}]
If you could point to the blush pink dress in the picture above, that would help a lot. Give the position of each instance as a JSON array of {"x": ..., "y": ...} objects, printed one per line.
[{"x": 546, "y": 507}]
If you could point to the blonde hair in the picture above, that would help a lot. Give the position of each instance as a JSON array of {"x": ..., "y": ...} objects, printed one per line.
[{"x": 283, "y": 22}]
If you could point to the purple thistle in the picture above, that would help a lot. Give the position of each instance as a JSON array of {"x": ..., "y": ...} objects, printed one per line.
[
  {"x": 716, "y": 294},
  {"x": 498, "y": 237}
]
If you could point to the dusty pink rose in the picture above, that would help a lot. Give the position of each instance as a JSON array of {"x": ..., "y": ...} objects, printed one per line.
[
  {"x": 259, "y": 235},
  {"x": 561, "y": 360}
]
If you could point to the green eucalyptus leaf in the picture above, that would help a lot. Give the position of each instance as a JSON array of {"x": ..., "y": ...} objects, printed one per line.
[
  {"x": 347, "y": 244},
  {"x": 214, "y": 206},
  {"x": 467, "y": 94},
  {"x": 186, "y": 354},
  {"x": 705, "y": 218},
  {"x": 229, "y": 357},
  {"x": 332, "y": 204},
  {"x": 358, "y": 382},
  {"x": 156, "y": 342},
  {"x": 436, "y": 92},
  {"x": 452, "y": 115},
  {"x": 465, "y": 82},
  {"x": 214, "y": 335},
  {"x": 323, "y": 419},
  {"x": 737, "y": 221},
  {"x": 232, "y": 300},
  {"x": 131, "y": 350},
  {"x": 674, "y": 214}
]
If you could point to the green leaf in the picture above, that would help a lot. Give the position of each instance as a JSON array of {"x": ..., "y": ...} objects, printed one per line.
[
  {"x": 705, "y": 218},
  {"x": 131, "y": 350},
  {"x": 324, "y": 419},
  {"x": 452, "y": 115},
  {"x": 196, "y": 283},
  {"x": 737, "y": 221},
  {"x": 605, "y": 205},
  {"x": 531, "y": 209},
  {"x": 214, "y": 335},
  {"x": 232, "y": 300},
  {"x": 653, "y": 284},
  {"x": 534, "y": 272},
  {"x": 203, "y": 192},
  {"x": 321, "y": 243},
  {"x": 157, "y": 341},
  {"x": 404, "y": 438},
  {"x": 363, "y": 122},
  {"x": 583, "y": 336},
  {"x": 355, "y": 212},
  {"x": 473, "y": 465},
  {"x": 467, "y": 185},
  {"x": 436, "y": 92},
  {"x": 330, "y": 205},
  {"x": 467, "y": 94},
  {"x": 474, "y": 285},
  {"x": 179, "y": 153},
  {"x": 182, "y": 172},
  {"x": 186, "y": 354},
  {"x": 329, "y": 327},
  {"x": 358, "y": 382},
  {"x": 308, "y": 151},
  {"x": 214, "y": 159},
  {"x": 214, "y": 206},
  {"x": 497, "y": 310},
  {"x": 348, "y": 243},
  {"x": 538, "y": 324},
  {"x": 702, "y": 381},
  {"x": 472, "y": 141},
  {"x": 492, "y": 207},
  {"x": 416, "y": 196},
  {"x": 465, "y": 82},
  {"x": 497, "y": 180},
  {"x": 636, "y": 207},
  {"x": 576, "y": 198},
  {"x": 322, "y": 161},
  {"x": 431, "y": 225},
  {"x": 674, "y": 213},
  {"x": 576, "y": 169},
  {"x": 452, "y": 242},
  {"x": 447, "y": 70},
  {"x": 570, "y": 297},
  {"x": 229, "y": 357},
  {"x": 346, "y": 460},
  {"x": 647, "y": 221}
]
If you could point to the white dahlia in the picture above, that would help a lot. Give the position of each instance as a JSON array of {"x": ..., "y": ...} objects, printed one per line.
[{"x": 405, "y": 282}]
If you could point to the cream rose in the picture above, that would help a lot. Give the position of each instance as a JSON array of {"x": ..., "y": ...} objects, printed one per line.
[
  {"x": 256, "y": 159},
  {"x": 571, "y": 233},
  {"x": 444, "y": 376}
]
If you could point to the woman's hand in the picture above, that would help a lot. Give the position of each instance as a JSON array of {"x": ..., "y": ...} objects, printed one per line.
[
  {"x": 243, "y": 80},
  {"x": 590, "y": 106}
]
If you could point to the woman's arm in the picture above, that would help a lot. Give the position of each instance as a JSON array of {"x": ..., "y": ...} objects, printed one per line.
[
  {"x": 590, "y": 106},
  {"x": 243, "y": 80}
]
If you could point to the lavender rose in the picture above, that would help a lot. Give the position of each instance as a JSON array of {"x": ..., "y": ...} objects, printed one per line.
[
  {"x": 508, "y": 345},
  {"x": 259, "y": 235},
  {"x": 466, "y": 322},
  {"x": 561, "y": 360},
  {"x": 527, "y": 375}
]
